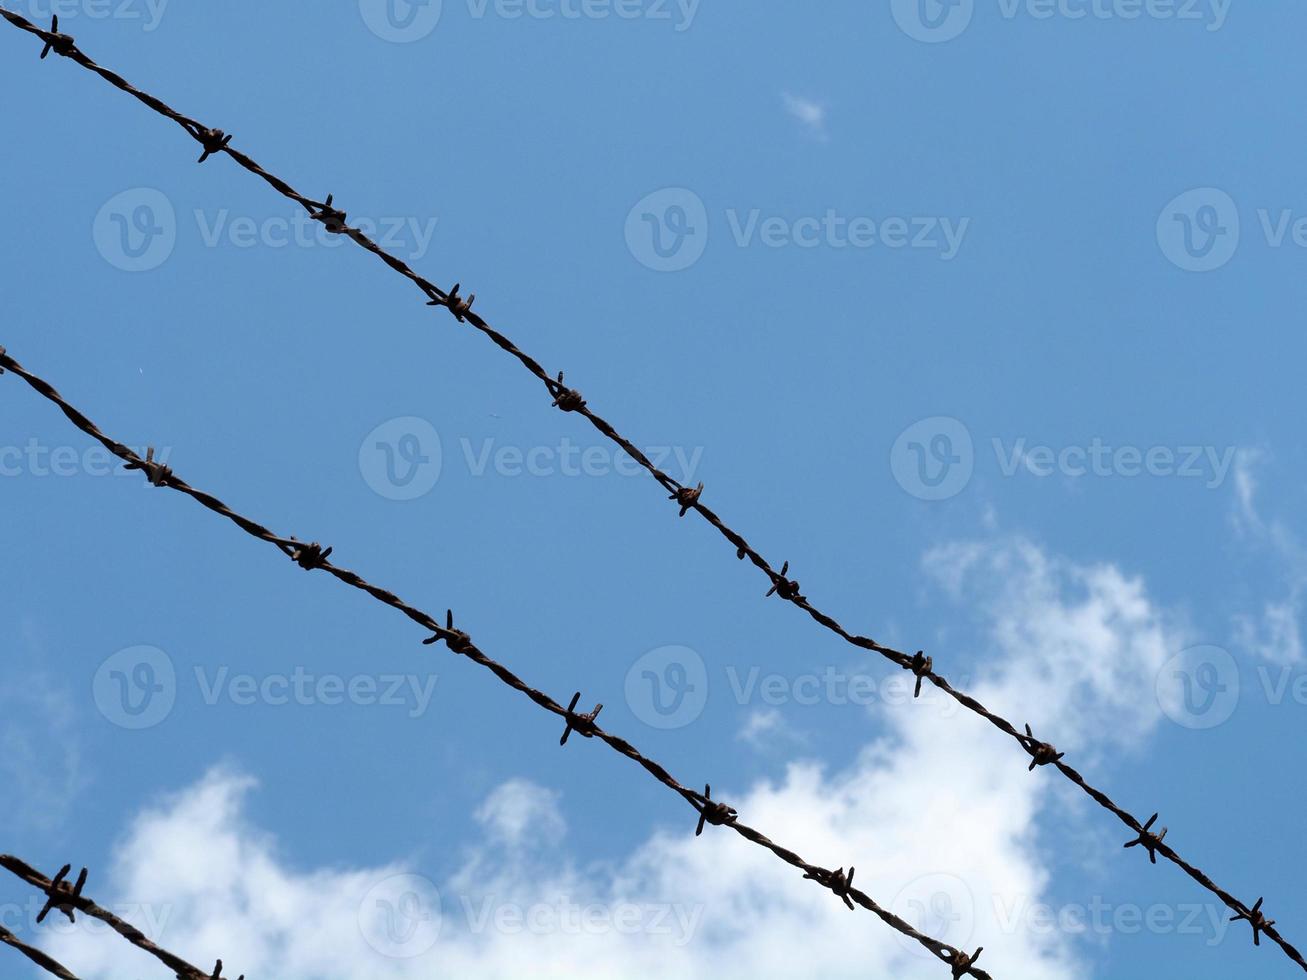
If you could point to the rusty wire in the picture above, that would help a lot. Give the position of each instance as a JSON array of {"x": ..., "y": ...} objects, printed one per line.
[
  {"x": 313, "y": 557},
  {"x": 47, "y": 963},
  {"x": 68, "y": 899},
  {"x": 215, "y": 141}
]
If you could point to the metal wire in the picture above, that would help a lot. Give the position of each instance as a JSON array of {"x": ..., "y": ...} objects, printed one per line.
[
  {"x": 314, "y": 557},
  {"x": 46, "y": 963},
  {"x": 68, "y": 899},
  {"x": 214, "y": 141}
]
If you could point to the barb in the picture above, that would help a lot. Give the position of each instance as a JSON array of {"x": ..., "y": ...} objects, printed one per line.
[
  {"x": 46, "y": 963},
  {"x": 570, "y": 400},
  {"x": 67, "y": 898},
  {"x": 459, "y": 643}
]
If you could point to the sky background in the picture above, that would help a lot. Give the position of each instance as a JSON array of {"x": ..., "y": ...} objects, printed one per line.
[{"x": 980, "y": 315}]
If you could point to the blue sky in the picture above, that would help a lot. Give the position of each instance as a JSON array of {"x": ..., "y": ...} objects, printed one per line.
[{"x": 980, "y": 315}]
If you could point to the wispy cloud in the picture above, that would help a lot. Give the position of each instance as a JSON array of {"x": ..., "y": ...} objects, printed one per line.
[
  {"x": 766, "y": 730},
  {"x": 812, "y": 115},
  {"x": 1274, "y": 633},
  {"x": 40, "y": 750}
]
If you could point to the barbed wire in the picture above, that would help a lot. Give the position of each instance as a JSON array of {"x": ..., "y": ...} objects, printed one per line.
[
  {"x": 47, "y": 963},
  {"x": 314, "y": 557},
  {"x": 215, "y": 141},
  {"x": 68, "y": 899}
]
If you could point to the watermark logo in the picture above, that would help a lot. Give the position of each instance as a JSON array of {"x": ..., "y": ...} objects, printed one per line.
[
  {"x": 29, "y": 916},
  {"x": 136, "y": 688},
  {"x": 933, "y": 459},
  {"x": 676, "y": 923},
  {"x": 1202, "y": 229},
  {"x": 405, "y": 21},
  {"x": 400, "y": 917},
  {"x": 401, "y": 459},
  {"x": 942, "y": 236},
  {"x": 38, "y": 460},
  {"x": 940, "y": 905},
  {"x": 1198, "y": 688},
  {"x": 833, "y": 686},
  {"x": 1020, "y": 915},
  {"x": 667, "y": 687},
  {"x": 1199, "y": 230},
  {"x": 409, "y": 235},
  {"x": 304, "y": 688},
  {"x": 1211, "y": 464},
  {"x": 401, "y": 21},
  {"x": 667, "y": 231},
  {"x": 932, "y": 21},
  {"x": 136, "y": 231},
  {"x": 149, "y": 12}
]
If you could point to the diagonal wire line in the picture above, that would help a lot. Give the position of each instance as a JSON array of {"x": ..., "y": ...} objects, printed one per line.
[
  {"x": 46, "y": 963},
  {"x": 687, "y": 498},
  {"x": 314, "y": 557},
  {"x": 65, "y": 898}
]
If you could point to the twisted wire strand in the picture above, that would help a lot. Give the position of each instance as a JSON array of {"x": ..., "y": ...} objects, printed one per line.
[
  {"x": 46, "y": 963},
  {"x": 314, "y": 557},
  {"x": 65, "y": 898},
  {"x": 215, "y": 141}
]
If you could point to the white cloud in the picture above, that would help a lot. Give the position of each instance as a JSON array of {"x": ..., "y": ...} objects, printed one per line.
[
  {"x": 40, "y": 750},
  {"x": 937, "y": 816},
  {"x": 1075, "y": 644},
  {"x": 1274, "y": 634},
  {"x": 811, "y": 114},
  {"x": 520, "y": 807},
  {"x": 1246, "y": 517},
  {"x": 766, "y": 730}
]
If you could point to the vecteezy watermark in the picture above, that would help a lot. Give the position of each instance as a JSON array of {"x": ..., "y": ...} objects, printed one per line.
[
  {"x": 408, "y": 235},
  {"x": 563, "y": 917},
  {"x": 668, "y": 231},
  {"x": 1202, "y": 229},
  {"x": 1199, "y": 230},
  {"x": 400, "y": 916},
  {"x": 401, "y": 21},
  {"x": 148, "y": 12},
  {"x": 402, "y": 459},
  {"x": 137, "y": 688},
  {"x": 833, "y": 686},
  {"x": 20, "y": 918},
  {"x": 41, "y": 461},
  {"x": 405, "y": 21},
  {"x": 668, "y": 688},
  {"x": 138, "y": 230},
  {"x": 1201, "y": 687},
  {"x": 935, "y": 21},
  {"x": 301, "y": 687},
  {"x": 941, "y": 905},
  {"x": 934, "y": 459},
  {"x": 1101, "y": 918}
]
